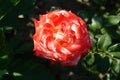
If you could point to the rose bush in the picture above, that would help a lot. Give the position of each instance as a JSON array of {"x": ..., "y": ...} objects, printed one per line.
[{"x": 61, "y": 36}]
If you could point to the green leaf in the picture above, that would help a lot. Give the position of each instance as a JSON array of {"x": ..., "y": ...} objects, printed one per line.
[
  {"x": 96, "y": 24},
  {"x": 7, "y": 28},
  {"x": 114, "y": 48},
  {"x": 116, "y": 66},
  {"x": 89, "y": 59},
  {"x": 104, "y": 41},
  {"x": 112, "y": 20},
  {"x": 15, "y": 2},
  {"x": 113, "y": 31},
  {"x": 89, "y": 63},
  {"x": 115, "y": 54},
  {"x": 4, "y": 57}
]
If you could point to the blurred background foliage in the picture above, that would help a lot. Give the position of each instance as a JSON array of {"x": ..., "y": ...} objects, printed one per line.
[{"x": 17, "y": 61}]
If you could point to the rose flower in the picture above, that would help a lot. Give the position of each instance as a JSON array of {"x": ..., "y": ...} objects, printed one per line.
[{"x": 61, "y": 36}]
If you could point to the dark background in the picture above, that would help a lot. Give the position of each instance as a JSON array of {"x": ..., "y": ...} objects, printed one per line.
[{"x": 17, "y": 59}]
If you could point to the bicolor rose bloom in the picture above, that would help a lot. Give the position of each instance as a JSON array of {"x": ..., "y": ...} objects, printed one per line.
[{"x": 61, "y": 36}]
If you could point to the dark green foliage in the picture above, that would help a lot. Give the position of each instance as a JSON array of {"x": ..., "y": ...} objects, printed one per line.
[{"x": 17, "y": 60}]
